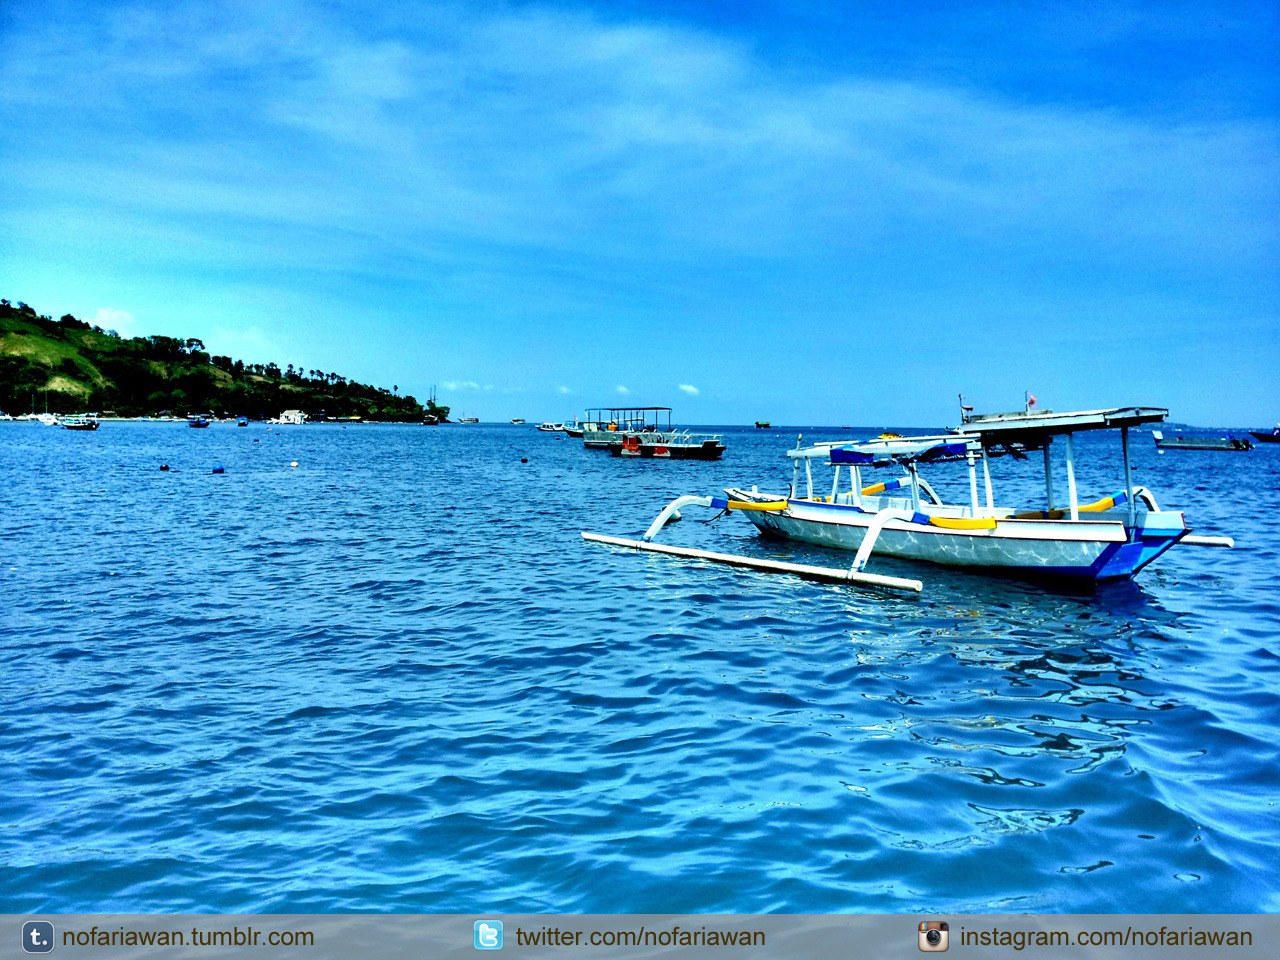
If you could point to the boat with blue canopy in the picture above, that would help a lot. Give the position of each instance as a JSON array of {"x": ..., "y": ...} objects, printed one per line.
[{"x": 1111, "y": 538}]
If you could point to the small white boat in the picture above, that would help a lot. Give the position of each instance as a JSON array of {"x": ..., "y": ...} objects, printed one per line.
[
  {"x": 1111, "y": 538},
  {"x": 546, "y": 426}
]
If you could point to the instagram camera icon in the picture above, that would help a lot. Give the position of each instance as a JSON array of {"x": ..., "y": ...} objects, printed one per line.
[{"x": 933, "y": 935}]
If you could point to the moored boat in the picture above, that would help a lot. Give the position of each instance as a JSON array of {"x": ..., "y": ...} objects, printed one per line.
[
  {"x": 198, "y": 420},
  {"x": 1111, "y": 538},
  {"x": 242, "y": 421},
  {"x": 1200, "y": 443},
  {"x": 87, "y": 422},
  {"x": 546, "y": 426},
  {"x": 1272, "y": 437},
  {"x": 646, "y": 432}
]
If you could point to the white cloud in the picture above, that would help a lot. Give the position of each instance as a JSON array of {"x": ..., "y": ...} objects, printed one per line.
[
  {"x": 623, "y": 390},
  {"x": 565, "y": 390},
  {"x": 529, "y": 161},
  {"x": 121, "y": 321},
  {"x": 542, "y": 126}
]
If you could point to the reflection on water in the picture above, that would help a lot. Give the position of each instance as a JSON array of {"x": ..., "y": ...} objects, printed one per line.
[{"x": 395, "y": 678}]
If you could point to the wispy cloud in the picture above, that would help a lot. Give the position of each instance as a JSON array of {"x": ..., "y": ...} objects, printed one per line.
[
  {"x": 121, "y": 321},
  {"x": 508, "y": 173},
  {"x": 596, "y": 136},
  {"x": 690, "y": 390},
  {"x": 623, "y": 390},
  {"x": 565, "y": 391}
]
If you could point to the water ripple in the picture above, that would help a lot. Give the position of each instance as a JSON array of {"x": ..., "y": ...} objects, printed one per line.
[{"x": 395, "y": 679}]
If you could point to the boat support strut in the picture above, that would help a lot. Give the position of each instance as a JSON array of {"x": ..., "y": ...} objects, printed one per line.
[{"x": 854, "y": 576}]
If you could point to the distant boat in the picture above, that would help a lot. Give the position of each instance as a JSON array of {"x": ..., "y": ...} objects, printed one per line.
[
  {"x": 1200, "y": 443},
  {"x": 430, "y": 420},
  {"x": 1272, "y": 437},
  {"x": 516, "y": 420},
  {"x": 81, "y": 423},
  {"x": 469, "y": 420},
  {"x": 546, "y": 426},
  {"x": 242, "y": 421},
  {"x": 762, "y": 424},
  {"x": 198, "y": 421},
  {"x": 646, "y": 432}
]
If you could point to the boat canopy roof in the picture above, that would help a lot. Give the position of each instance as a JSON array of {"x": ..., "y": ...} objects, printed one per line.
[
  {"x": 884, "y": 450},
  {"x": 1031, "y": 429},
  {"x": 625, "y": 410},
  {"x": 900, "y": 451}
]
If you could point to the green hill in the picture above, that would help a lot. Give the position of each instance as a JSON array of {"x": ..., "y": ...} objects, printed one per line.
[{"x": 76, "y": 367}]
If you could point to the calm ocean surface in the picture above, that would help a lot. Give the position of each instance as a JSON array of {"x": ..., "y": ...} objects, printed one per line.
[{"x": 396, "y": 679}]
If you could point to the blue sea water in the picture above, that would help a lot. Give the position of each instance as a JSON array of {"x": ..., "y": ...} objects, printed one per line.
[{"x": 394, "y": 678}]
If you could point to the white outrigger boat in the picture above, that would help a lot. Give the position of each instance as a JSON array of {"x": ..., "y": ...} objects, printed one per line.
[{"x": 1108, "y": 539}]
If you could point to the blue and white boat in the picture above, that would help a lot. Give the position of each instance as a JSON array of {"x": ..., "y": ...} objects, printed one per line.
[{"x": 1111, "y": 538}]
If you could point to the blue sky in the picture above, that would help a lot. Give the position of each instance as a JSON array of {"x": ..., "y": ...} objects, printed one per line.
[{"x": 806, "y": 212}]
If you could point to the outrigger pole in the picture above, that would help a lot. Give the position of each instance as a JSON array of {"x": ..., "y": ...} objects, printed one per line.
[{"x": 853, "y": 576}]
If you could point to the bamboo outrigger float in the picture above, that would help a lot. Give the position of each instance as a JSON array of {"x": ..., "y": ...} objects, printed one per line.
[{"x": 1108, "y": 539}]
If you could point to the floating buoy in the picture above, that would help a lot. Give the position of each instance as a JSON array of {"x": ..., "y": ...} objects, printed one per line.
[
  {"x": 294, "y": 464},
  {"x": 524, "y": 459},
  {"x": 164, "y": 466},
  {"x": 218, "y": 469},
  {"x": 256, "y": 440}
]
